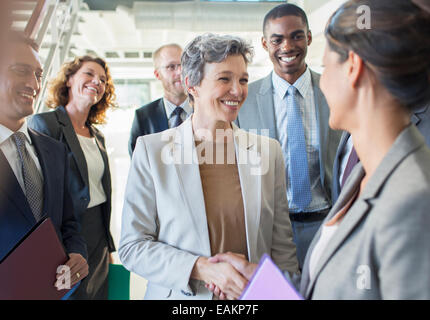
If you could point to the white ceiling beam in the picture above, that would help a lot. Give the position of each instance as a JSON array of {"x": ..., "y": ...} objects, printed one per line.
[{"x": 201, "y": 16}]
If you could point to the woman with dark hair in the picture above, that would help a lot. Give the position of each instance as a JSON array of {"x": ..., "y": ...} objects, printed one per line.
[
  {"x": 374, "y": 243},
  {"x": 80, "y": 94}
]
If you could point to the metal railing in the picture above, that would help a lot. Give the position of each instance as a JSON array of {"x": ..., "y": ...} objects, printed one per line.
[
  {"x": 36, "y": 18},
  {"x": 51, "y": 24}
]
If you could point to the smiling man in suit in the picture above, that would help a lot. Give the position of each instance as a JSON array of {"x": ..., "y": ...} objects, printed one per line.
[
  {"x": 290, "y": 105},
  {"x": 169, "y": 111},
  {"x": 33, "y": 167}
]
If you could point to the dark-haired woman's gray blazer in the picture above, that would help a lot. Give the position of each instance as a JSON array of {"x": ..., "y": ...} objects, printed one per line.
[
  {"x": 420, "y": 117},
  {"x": 381, "y": 248}
]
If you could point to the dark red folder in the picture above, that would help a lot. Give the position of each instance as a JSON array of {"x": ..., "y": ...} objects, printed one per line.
[{"x": 29, "y": 271}]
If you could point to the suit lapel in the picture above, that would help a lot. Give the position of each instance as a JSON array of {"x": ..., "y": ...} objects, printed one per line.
[
  {"x": 11, "y": 189},
  {"x": 187, "y": 169},
  {"x": 184, "y": 155},
  {"x": 266, "y": 106},
  {"x": 73, "y": 143},
  {"x": 415, "y": 118},
  {"x": 106, "y": 180},
  {"x": 250, "y": 182},
  {"x": 349, "y": 222},
  {"x": 48, "y": 165},
  {"x": 160, "y": 118},
  {"x": 337, "y": 163},
  {"x": 342, "y": 144},
  {"x": 322, "y": 115}
]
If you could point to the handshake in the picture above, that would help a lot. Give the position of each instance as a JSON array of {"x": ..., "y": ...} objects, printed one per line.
[{"x": 225, "y": 274}]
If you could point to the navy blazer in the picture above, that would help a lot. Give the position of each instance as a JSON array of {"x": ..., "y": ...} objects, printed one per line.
[
  {"x": 58, "y": 125},
  {"x": 151, "y": 118},
  {"x": 421, "y": 118},
  {"x": 16, "y": 217}
]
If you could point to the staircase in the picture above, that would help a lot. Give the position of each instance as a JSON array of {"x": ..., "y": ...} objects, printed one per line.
[{"x": 51, "y": 23}]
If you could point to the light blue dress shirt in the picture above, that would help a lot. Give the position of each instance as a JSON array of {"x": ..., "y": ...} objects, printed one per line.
[{"x": 306, "y": 101}]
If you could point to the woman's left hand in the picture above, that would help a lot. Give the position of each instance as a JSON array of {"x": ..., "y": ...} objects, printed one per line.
[{"x": 78, "y": 267}]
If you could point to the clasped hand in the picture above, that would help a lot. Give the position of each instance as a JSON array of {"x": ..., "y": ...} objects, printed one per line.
[{"x": 226, "y": 274}]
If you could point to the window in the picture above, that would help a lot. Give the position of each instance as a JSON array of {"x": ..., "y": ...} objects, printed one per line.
[{"x": 131, "y": 94}]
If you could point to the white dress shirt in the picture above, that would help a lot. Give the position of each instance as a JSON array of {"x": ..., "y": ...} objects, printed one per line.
[
  {"x": 327, "y": 233},
  {"x": 96, "y": 170},
  {"x": 9, "y": 149}
]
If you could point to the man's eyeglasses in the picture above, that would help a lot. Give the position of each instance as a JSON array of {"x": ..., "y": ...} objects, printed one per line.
[
  {"x": 24, "y": 71},
  {"x": 172, "y": 67}
]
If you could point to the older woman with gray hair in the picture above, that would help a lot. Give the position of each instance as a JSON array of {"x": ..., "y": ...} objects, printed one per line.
[{"x": 206, "y": 186}]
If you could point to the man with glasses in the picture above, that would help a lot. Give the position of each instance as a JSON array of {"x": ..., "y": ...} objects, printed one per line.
[{"x": 173, "y": 108}]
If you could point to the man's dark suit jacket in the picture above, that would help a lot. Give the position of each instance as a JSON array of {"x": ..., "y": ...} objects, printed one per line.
[
  {"x": 16, "y": 218},
  {"x": 151, "y": 118},
  {"x": 58, "y": 125},
  {"x": 421, "y": 118}
]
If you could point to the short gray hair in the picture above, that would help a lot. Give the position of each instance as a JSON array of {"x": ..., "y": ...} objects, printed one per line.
[{"x": 209, "y": 48}]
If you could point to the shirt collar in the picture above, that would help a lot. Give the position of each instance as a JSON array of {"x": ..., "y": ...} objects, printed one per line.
[
  {"x": 302, "y": 84},
  {"x": 5, "y": 132},
  {"x": 170, "y": 107}
]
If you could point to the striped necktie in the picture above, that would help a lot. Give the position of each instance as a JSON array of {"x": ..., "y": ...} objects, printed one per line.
[
  {"x": 298, "y": 161},
  {"x": 176, "y": 115},
  {"x": 33, "y": 180}
]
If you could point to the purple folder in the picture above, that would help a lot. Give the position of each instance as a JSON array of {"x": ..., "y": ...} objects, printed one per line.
[
  {"x": 28, "y": 271},
  {"x": 268, "y": 283}
]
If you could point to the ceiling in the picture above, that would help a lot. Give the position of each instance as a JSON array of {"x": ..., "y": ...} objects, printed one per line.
[{"x": 126, "y": 32}]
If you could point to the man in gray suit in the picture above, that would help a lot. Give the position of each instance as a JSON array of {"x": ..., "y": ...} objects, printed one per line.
[{"x": 289, "y": 102}]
